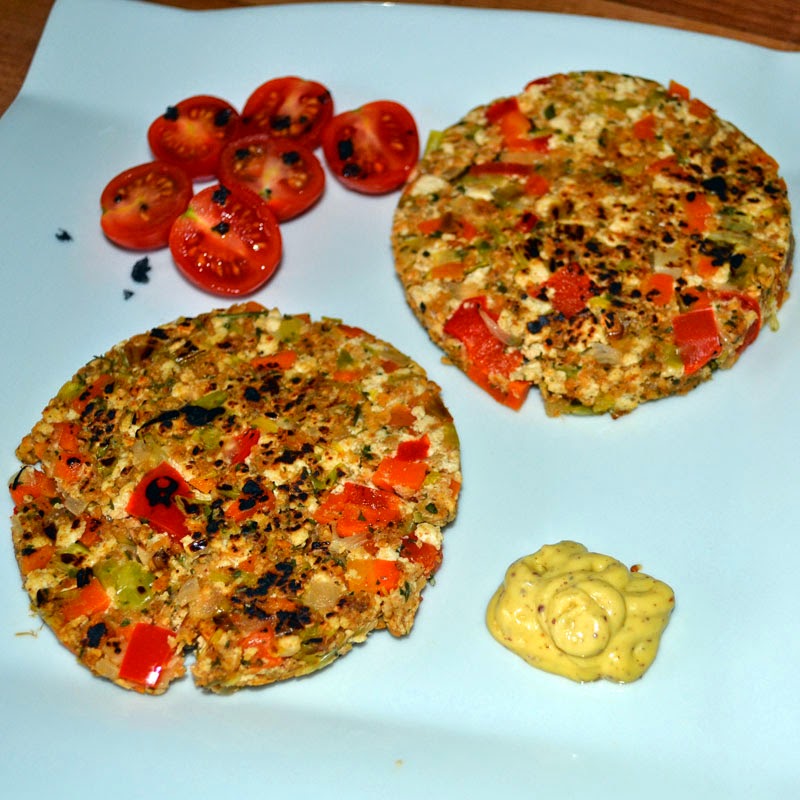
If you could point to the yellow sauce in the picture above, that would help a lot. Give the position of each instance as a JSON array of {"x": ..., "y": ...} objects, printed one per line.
[{"x": 579, "y": 614}]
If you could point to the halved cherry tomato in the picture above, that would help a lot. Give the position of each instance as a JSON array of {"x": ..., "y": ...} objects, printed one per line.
[
  {"x": 226, "y": 242},
  {"x": 289, "y": 108},
  {"x": 192, "y": 134},
  {"x": 140, "y": 204},
  {"x": 372, "y": 149},
  {"x": 286, "y": 175}
]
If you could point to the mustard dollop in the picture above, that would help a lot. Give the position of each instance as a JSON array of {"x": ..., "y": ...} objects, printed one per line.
[{"x": 579, "y": 614}]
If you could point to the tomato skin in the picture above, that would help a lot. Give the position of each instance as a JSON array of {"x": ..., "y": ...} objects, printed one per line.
[
  {"x": 192, "y": 134},
  {"x": 289, "y": 108},
  {"x": 140, "y": 204},
  {"x": 372, "y": 149},
  {"x": 226, "y": 242},
  {"x": 286, "y": 175}
]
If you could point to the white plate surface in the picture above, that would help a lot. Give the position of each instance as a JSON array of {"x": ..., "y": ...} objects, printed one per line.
[{"x": 700, "y": 490}]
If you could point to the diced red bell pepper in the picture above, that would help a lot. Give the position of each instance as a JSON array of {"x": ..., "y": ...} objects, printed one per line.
[
  {"x": 155, "y": 501},
  {"x": 242, "y": 445},
  {"x": 658, "y": 288},
  {"x": 749, "y": 304},
  {"x": 414, "y": 449},
  {"x": 246, "y": 506},
  {"x": 572, "y": 287},
  {"x": 515, "y": 127},
  {"x": 358, "y": 509},
  {"x": 486, "y": 354},
  {"x": 697, "y": 338},
  {"x": 31, "y": 483},
  {"x": 262, "y": 643},
  {"x": 148, "y": 653},
  {"x": 377, "y": 575},
  {"x": 96, "y": 389},
  {"x": 645, "y": 128},
  {"x": 422, "y": 553},
  {"x": 698, "y": 212},
  {"x": 678, "y": 90},
  {"x": 396, "y": 474}
]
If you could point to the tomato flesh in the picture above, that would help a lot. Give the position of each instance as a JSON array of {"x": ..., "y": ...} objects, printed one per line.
[
  {"x": 286, "y": 175},
  {"x": 192, "y": 134},
  {"x": 227, "y": 242},
  {"x": 140, "y": 204},
  {"x": 289, "y": 108},
  {"x": 372, "y": 149}
]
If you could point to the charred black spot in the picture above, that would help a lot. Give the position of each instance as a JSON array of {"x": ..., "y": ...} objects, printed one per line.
[
  {"x": 95, "y": 634},
  {"x": 718, "y": 186},
  {"x": 292, "y": 620},
  {"x": 83, "y": 576}
]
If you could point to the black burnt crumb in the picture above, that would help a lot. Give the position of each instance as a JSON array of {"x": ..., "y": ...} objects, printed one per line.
[
  {"x": 252, "y": 394},
  {"x": 159, "y": 333},
  {"x": 127, "y": 294},
  {"x": 718, "y": 186},
  {"x": 139, "y": 273},
  {"x": 171, "y": 113},
  {"x": 251, "y": 487},
  {"x": 83, "y": 576},
  {"x": 63, "y": 236},
  {"x": 531, "y": 248},
  {"x": 95, "y": 634}
]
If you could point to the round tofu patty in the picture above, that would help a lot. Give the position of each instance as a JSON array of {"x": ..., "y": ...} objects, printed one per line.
[
  {"x": 602, "y": 237},
  {"x": 257, "y": 489}
]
